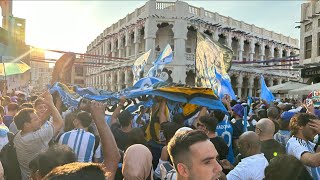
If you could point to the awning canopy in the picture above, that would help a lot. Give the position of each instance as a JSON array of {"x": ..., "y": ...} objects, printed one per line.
[
  {"x": 305, "y": 90},
  {"x": 286, "y": 87}
]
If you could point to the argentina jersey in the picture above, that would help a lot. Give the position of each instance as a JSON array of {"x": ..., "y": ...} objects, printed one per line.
[
  {"x": 224, "y": 129},
  {"x": 81, "y": 142},
  {"x": 296, "y": 147}
]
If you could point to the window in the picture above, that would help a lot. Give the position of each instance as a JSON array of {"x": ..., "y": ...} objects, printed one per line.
[
  {"x": 79, "y": 70},
  {"x": 308, "y": 47},
  {"x": 318, "y": 43},
  {"x": 308, "y": 27}
]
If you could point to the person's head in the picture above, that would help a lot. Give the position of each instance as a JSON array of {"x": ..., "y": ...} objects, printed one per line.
[
  {"x": 137, "y": 162},
  {"x": 6, "y": 100},
  {"x": 194, "y": 156},
  {"x": 262, "y": 113},
  {"x": 56, "y": 155},
  {"x": 237, "y": 111},
  {"x": 178, "y": 118},
  {"x": 27, "y": 120},
  {"x": 286, "y": 167},
  {"x": 299, "y": 126},
  {"x": 273, "y": 113},
  {"x": 207, "y": 124},
  {"x": 170, "y": 129},
  {"x": 13, "y": 108},
  {"x": 265, "y": 129},
  {"x": 40, "y": 106},
  {"x": 82, "y": 120},
  {"x": 68, "y": 121},
  {"x": 76, "y": 171},
  {"x": 125, "y": 118},
  {"x": 25, "y": 105},
  {"x": 219, "y": 115},
  {"x": 249, "y": 144},
  {"x": 136, "y": 136},
  {"x": 285, "y": 120}
]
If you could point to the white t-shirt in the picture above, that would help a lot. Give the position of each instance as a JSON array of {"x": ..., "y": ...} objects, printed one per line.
[
  {"x": 251, "y": 167},
  {"x": 296, "y": 147}
]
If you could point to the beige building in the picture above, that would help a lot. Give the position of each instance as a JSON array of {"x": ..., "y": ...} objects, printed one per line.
[
  {"x": 310, "y": 41},
  {"x": 157, "y": 24},
  {"x": 78, "y": 73}
]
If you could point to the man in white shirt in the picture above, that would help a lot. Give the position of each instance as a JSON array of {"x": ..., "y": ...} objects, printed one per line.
[
  {"x": 31, "y": 139},
  {"x": 253, "y": 164},
  {"x": 304, "y": 128}
]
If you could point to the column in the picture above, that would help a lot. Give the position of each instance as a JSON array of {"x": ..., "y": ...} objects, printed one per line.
[
  {"x": 241, "y": 47},
  {"x": 108, "y": 47},
  {"x": 252, "y": 48},
  {"x": 120, "y": 48},
  {"x": 180, "y": 30},
  {"x": 270, "y": 82},
  {"x": 120, "y": 80},
  {"x": 216, "y": 35},
  {"x": 239, "y": 84},
  {"x": 229, "y": 40},
  {"x": 126, "y": 78},
  {"x": 250, "y": 84},
  {"x": 271, "y": 53},
  {"x": 150, "y": 36},
  {"x": 113, "y": 48},
  {"x": 136, "y": 42},
  {"x": 262, "y": 49},
  {"x": 127, "y": 44}
]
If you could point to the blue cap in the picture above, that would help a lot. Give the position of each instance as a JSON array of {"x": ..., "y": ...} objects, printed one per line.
[
  {"x": 238, "y": 108},
  {"x": 286, "y": 116}
]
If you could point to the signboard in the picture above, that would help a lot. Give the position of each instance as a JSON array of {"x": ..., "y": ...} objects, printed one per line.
[{"x": 310, "y": 72}]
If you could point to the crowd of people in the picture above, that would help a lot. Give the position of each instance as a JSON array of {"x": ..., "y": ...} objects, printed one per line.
[{"x": 257, "y": 141}]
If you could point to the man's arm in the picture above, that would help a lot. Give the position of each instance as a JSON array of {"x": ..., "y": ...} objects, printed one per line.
[
  {"x": 116, "y": 112},
  {"x": 310, "y": 159},
  {"x": 57, "y": 119},
  {"x": 162, "y": 111},
  {"x": 203, "y": 112},
  {"x": 108, "y": 143}
]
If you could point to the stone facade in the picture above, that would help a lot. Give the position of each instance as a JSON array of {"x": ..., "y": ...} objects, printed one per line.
[{"x": 157, "y": 24}]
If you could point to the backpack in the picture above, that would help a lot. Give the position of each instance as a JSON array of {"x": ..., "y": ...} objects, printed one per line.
[{"x": 9, "y": 160}]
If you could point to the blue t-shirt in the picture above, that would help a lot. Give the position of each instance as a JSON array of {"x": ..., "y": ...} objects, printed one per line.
[{"x": 224, "y": 129}]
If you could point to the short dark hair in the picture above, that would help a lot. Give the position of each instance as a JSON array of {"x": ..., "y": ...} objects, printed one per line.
[
  {"x": 169, "y": 129},
  {"x": 56, "y": 155},
  {"x": 209, "y": 122},
  {"x": 68, "y": 121},
  {"x": 125, "y": 118},
  {"x": 22, "y": 117},
  {"x": 286, "y": 167},
  {"x": 179, "y": 145},
  {"x": 84, "y": 118},
  {"x": 178, "y": 118},
  {"x": 273, "y": 113},
  {"x": 13, "y": 106},
  {"x": 219, "y": 115},
  {"x": 77, "y": 170}
]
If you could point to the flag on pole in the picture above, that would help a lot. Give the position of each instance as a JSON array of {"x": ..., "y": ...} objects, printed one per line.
[
  {"x": 165, "y": 57},
  {"x": 265, "y": 94},
  {"x": 224, "y": 86},
  {"x": 138, "y": 66},
  {"x": 211, "y": 56}
]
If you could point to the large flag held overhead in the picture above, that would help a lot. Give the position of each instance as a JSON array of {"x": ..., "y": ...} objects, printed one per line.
[
  {"x": 211, "y": 55},
  {"x": 265, "y": 94},
  {"x": 224, "y": 86},
  {"x": 165, "y": 57},
  {"x": 138, "y": 66}
]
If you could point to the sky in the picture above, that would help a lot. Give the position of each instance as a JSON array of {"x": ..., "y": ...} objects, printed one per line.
[{"x": 73, "y": 25}]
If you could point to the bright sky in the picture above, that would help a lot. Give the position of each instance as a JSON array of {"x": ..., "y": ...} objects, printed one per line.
[{"x": 72, "y": 25}]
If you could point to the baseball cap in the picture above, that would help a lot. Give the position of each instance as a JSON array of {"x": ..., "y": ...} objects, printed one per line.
[
  {"x": 238, "y": 108},
  {"x": 286, "y": 116}
]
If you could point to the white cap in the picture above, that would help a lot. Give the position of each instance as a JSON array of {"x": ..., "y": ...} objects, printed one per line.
[{"x": 182, "y": 130}]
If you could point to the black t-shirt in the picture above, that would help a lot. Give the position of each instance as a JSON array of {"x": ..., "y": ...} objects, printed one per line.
[
  {"x": 221, "y": 147},
  {"x": 238, "y": 128},
  {"x": 271, "y": 148},
  {"x": 122, "y": 138}
]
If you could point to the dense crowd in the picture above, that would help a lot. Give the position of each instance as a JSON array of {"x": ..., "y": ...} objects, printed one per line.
[{"x": 41, "y": 139}]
